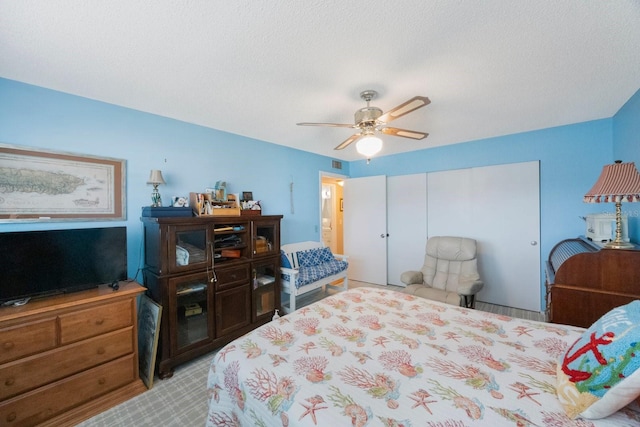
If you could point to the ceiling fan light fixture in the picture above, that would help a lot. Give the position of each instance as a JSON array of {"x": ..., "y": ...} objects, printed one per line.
[{"x": 369, "y": 145}]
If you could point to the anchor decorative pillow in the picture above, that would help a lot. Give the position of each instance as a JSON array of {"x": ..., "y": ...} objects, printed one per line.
[{"x": 600, "y": 373}]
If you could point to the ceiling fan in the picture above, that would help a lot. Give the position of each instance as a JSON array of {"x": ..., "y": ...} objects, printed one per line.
[{"x": 371, "y": 120}]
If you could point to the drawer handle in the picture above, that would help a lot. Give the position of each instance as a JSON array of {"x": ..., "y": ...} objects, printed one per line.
[
  {"x": 10, "y": 381},
  {"x": 102, "y": 381},
  {"x": 99, "y": 322},
  {"x": 233, "y": 276},
  {"x": 11, "y": 417},
  {"x": 8, "y": 345},
  {"x": 101, "y": 350}
]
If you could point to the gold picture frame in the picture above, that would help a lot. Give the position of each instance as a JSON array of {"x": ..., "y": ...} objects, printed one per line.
[{"x": 43, "y": 185}]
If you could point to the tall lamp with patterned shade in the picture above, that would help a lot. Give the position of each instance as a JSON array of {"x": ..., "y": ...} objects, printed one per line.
[{"x": 619, "y": 182}]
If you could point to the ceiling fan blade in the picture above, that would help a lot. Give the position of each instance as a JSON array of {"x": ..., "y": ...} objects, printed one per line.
[
  {"x": 405, "y": 108},
  {"x": 404, "y": 133},
  {"x": 335, "y": 125},
  {"x": 348, "y": 141}
]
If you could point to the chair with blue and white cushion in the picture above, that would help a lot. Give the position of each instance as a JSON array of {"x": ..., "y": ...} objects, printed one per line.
[{"x": 307, "y": 266}]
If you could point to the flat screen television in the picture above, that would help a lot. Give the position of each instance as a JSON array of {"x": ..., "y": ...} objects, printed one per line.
[{"x": 41, "y": 263}]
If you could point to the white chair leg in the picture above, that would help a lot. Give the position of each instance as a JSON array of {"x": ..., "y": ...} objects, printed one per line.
[{"x": 292, "y": 301}]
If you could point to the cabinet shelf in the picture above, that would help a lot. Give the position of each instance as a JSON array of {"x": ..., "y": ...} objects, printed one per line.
[
  {"x": 264, "y": 280},
  {"x": 219, "y": 248},
  {"x": 229, "y": 229},
  {"x": 191, "y": 290}
]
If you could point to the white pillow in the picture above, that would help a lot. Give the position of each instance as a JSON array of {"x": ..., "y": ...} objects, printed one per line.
[{"x": 182, "y": 256}]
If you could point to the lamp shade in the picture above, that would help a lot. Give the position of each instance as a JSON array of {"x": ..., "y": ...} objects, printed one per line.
[
  {"x": 368, "y": 145},
  {"x": 156, "y": 177},
  {"x": 619, "y": 182}
]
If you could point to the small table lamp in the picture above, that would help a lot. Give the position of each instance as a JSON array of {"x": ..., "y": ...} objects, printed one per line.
[
  {"x": 619, "y": 182},
  {"x": 155, "y": 179}
]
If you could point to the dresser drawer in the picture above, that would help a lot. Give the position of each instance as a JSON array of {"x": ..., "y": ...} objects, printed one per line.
[
  {"x": 95, "y": 321},
  {"x": 229, "y": 277},
  {"x": 33, "y": 408},
  {"x": 30, "y": 338},
  {"x": 33, "y": 372}
]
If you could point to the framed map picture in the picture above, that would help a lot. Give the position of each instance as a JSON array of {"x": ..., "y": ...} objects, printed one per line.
[
  {"x": 149, "y": 315},
  {"x": 41, "y": 185}
]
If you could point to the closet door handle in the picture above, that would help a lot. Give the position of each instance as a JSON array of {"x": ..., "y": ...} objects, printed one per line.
[{"x": 382, "y": 236}]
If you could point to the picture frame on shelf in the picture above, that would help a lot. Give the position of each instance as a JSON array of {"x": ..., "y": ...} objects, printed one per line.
[{"x": 180, "y": 201}]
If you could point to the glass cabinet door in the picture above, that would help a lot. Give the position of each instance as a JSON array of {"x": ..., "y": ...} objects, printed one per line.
[
  {"x": 188, "y": 247},
  {"x": 190, "y": 305},
  {"x": 265, "y": 288},
  {"x": 265, "y": 237}
]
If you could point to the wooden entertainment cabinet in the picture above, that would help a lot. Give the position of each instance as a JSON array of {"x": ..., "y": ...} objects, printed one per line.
[
  {"x": 66, "y": 358},
  {"x": 216, "y": 278}
]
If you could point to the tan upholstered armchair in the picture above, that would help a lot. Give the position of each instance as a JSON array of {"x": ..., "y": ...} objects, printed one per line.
[{"x": 449, "y": 274}]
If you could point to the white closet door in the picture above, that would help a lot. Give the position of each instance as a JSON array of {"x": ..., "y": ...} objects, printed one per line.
[
  {"x": 365, "y": 228},
  {"x": 407, "y": 224},
  {"x": 499, "y": 206}
]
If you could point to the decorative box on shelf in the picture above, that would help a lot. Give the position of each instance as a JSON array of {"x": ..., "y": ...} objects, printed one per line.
[
  {"x": 246, "y": 212},
  {"x": 225, "y": 211},
  {"x": 262, "y": 245},
  {"x": 204, "y": 205}
]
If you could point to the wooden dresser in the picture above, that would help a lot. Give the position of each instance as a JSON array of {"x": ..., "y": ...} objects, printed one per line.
[
  {"x": 66, "y": 358},
  {"x": 585, "y": 281}
]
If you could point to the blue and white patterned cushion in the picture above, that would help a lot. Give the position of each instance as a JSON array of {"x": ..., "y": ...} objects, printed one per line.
[
  {"x": 314, "y": 264},
  {"x": 312, "y": 257},
  {"x": 314, "y": 273},
  {"x": 284, "y": 261}
]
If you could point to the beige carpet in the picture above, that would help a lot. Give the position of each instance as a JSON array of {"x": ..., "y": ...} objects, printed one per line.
[{"x": 181, "y": 401}]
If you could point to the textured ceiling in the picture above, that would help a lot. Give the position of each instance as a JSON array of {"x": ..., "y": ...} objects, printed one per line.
[{"x": 256, "y": 68}]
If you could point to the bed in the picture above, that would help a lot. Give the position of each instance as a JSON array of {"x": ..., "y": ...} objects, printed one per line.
[{"x": 376, "y": 357}]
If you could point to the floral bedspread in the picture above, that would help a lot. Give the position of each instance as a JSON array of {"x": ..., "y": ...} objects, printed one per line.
[{"x": 374, "y": 357}]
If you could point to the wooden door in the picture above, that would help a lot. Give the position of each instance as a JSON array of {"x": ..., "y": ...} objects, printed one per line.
[{"x": 233, "y": 309}]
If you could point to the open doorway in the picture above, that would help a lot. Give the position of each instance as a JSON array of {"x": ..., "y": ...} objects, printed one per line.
[{"x": 331, "y": 211}]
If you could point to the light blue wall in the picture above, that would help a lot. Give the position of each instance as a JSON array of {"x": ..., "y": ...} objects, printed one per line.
[
  {"x": 191, "y": 158},
  {"x": 626, "y": 147}
]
